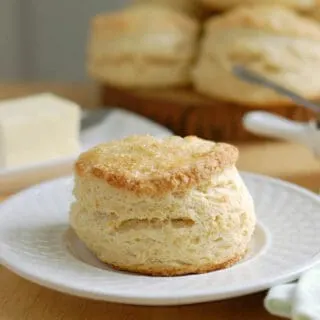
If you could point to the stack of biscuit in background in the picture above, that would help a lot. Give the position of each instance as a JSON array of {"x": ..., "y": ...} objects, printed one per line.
[
  {"x": 143, "y": 46},
  {"x": 168, "y": 44},
  {"x": 271, "y": 40}
]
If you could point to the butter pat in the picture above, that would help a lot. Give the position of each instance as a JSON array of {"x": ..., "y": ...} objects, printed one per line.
[{"x": 38, "y": 128}]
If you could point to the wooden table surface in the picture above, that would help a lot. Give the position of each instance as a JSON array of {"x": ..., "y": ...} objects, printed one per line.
[{"x": 23, "y": 300}]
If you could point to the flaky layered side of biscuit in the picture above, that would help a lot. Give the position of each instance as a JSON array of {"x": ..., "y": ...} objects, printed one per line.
[
  {"x": 163, "y": 206},
  {"x": 271, "y": 40},
  {"x": 146, "y": 45}
]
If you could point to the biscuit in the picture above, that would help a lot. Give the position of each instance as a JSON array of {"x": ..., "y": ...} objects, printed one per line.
[
  {"x": 193, "y": 8},
  {"x": 271, "y": 40},
  {"x": 145, "y": 45},
  {"x": 227, "y": 4},
  {"x": 162, "y": 207}
]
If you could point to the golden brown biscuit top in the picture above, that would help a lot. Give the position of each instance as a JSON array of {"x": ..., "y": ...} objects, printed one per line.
[
  {"x": 146, "y": 165},
  {"x": 144, "y": 19},
  {"x": 269, "y": 18}
]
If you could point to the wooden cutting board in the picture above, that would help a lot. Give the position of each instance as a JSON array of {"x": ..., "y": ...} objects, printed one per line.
[{"x": 186, "y": 112}]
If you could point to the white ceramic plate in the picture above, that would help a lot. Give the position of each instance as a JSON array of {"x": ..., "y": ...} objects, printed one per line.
[{"x": 37, "y": 244}]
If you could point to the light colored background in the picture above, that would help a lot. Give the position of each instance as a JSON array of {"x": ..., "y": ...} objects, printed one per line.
[{"x": 46, "y": 39}]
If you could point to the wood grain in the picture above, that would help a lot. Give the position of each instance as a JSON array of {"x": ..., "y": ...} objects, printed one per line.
[
  {"x": 20, "y": 299},
  {"x": 186, "y": 112},
  {"x": 23, "y": 300}
]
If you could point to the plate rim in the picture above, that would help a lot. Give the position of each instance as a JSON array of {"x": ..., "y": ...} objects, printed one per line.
[{"x": 156, "y": 300}]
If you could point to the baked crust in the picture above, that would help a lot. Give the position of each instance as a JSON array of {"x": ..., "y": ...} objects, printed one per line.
[
  {"x": 268, "y": 39},
  {"x": 169, "y": 272},
  {"x": 193, "y": 8},
  {"x": 301, "y": 5},
  {"x": 131, "y": 19},
  {"x": 149, "y": 30},
  {"x": 148, "y": 166},
  {"x": 272, "y": 19},
  {"x": 144, "y": 45}
]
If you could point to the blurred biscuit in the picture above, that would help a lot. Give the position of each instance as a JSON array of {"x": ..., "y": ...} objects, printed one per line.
[
  {"x": 271, "y": 40},
  {"x": 193, "y": 8},
  {"x": 227, "y": 4},
  {"x": 142, "y": 46}
]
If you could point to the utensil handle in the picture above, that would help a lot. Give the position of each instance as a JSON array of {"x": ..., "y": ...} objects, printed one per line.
[
  {"x": 269, "y": 125},
  {"x": 254, "y": 78}
]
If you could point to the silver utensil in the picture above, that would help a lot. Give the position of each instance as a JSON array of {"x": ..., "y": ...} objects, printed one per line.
[{"x": 254, "y": 78}]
